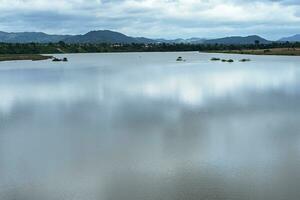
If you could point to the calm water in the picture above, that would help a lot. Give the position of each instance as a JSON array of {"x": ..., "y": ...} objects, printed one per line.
[{"x": 140, "y": 126}]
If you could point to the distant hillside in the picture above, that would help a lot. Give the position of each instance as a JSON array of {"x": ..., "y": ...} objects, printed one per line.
[
  {"x": 145, "y": 40},
  {"x": 27, "y": 37},
  {"x": 106, "y": 36},
  {"x": 238, "y": 40},
  {"x": 295, "y": 38},
  {"x": 91, "y": 37}
]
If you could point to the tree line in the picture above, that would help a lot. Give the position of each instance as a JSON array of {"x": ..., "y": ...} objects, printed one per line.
[{"x": 62, "y": 47}]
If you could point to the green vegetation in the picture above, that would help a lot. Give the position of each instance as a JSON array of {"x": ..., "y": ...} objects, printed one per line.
[
  {"x": 245, "y": 60},
  {"x": 229, "y": 61},
  {"x": 62, "y": 47},
  {"x": 33, "y": 57},
  {"x": 59, "y": 60},
  {"x": 180, "y": 59},
  {"x": 215, "y": 59},
  {"x": 274, "y": 51}
]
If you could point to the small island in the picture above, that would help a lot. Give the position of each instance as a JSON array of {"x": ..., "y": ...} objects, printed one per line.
[
  {"x": 32, "y": 57},
  {"x": 229, "y": 61},
  {"x": 223, "y": 60},
  {"x": 180, "y": 59},
  {"x": 59, "y": 60},
  {"x": 215, "y": 59}
]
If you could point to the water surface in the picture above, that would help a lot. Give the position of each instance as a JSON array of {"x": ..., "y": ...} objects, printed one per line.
[{"x": 141, "y": 126}]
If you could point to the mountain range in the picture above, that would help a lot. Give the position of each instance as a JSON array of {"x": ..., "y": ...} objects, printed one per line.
[
  {"x": 26, "y": 37},
  {"x": 107, "y": 36},
  {"x": 294, "y": 38},
  {"x": 239, "y": 40}
]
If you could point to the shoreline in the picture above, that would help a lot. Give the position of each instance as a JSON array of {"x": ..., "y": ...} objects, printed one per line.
[
  {"x": 266, "y": 52},
  {"x": 16, "y": 57},
  {"x": 263, "y": 52}
]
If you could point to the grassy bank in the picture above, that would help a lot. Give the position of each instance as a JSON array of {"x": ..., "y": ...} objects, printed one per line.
[
  {"x": 33, "y": 57},
  {"x": 274, "y": 51}
]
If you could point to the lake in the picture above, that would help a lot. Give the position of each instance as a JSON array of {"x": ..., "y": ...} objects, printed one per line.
[{"x": 141, "y": 126}]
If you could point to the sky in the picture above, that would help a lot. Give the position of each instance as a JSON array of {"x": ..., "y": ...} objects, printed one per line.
[{"x": 169, "y": 19}]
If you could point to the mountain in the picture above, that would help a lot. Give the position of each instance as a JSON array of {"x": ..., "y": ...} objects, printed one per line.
[
  {"x": 238, "y": 40},
  {"x": 295, "y": 38},
  {"x": 106, "y": 36},
  {"x": 145, "y": 40},
  {"x": 27, "y": 37}
]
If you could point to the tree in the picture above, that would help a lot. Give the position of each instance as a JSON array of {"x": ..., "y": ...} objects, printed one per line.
[{"x": 62, "y": 43}]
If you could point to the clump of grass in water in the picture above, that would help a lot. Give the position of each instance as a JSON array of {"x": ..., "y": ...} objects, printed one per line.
[
  {"x": 215, "y": 59},
  {"x": 245, "y": 60},
  {"x": 180, "y": 59},
  {"x": 229, "y": 61},
  {"x": 59, "y": 60}
]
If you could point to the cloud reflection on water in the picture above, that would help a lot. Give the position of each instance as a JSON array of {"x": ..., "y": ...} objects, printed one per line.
[
  {"x": 195, "y": 89},
  {"x": 151, "y": 131}
]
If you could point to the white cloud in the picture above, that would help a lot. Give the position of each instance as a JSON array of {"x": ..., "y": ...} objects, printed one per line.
[{"x": 154, "y": 18}]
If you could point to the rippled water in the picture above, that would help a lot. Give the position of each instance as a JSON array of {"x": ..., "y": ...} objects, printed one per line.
[{"x": 141, "y": 126}]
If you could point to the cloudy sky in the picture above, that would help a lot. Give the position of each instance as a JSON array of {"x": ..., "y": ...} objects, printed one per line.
[{"x": 154, "y": 18}]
